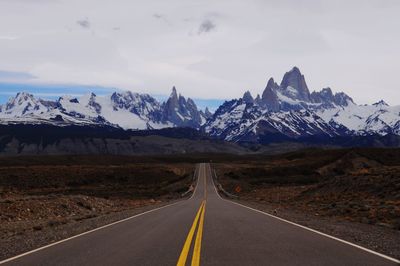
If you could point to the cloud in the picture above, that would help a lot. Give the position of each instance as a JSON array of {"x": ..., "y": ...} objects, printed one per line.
[
  {"x": 162, "y": 17},
  {"x": 268, "y": 37},
  {"x": 206, "y": 26},
  {"x": 50, "y": 91},
  {"x": 84, "y": 23},
  {"x": 15, "y": 76},
  {"x": 8, "y": 38},
  {"x": 158, "y": 16}
]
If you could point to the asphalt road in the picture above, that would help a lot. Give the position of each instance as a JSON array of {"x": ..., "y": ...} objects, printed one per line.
[{"x": 205, "y": 230}]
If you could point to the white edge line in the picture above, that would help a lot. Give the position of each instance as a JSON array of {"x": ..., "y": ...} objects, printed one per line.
[
  {"x": 96, "y": 229},
  {"x": 309, "y": 229},
  {"x": 197, "y": 180}
]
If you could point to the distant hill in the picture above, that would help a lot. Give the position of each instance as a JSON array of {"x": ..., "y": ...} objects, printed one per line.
[{"x": 49, "y": 139}]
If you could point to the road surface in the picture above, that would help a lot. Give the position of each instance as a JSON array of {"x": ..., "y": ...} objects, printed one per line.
[{"x": 203, "y": 230}]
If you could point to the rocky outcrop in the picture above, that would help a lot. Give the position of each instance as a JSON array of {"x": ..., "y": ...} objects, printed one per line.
[
  {"x": 326, "y": 96},
  {"x": 269, "y": 97},
  {"x": 181, "y": 112},
  {"x": 248, "y": 98},
  {"x": 294, "y": 85}
]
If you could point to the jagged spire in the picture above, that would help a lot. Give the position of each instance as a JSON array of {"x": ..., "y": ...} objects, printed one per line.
[
  {"x": 271, "y": 86},
  {"x": 269, "y": 97},
  {"x": 247, "y": 97},
  {"x": 295, "y": 80},
  {"x": 180, "y": 111},
  {"x": 174, "y": 94},
  {"x": 207, "y": 112},
  {"x": 326, "y": 96}
]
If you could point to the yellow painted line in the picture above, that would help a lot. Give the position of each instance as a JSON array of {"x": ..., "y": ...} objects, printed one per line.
[
  {"x": 197, "y": 223},
  {"x": 197, "y": 245},
  {"x": 186, "y": 246}
]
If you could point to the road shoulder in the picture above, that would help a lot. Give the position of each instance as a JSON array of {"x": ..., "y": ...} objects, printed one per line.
[{"x": 379, "y": 239}]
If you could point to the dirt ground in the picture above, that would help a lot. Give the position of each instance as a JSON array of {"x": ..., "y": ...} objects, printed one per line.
[
  {"x": 345, "y": 192},
  {"x": 43, "y": 202}
]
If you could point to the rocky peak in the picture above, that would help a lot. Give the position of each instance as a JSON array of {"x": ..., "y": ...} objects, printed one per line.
[
  {"x": 342, "y": 99},
  {"x": 207, "y": 113},
  {"x": 269, "y": 97},
  {"x": 24, "y": 103},
  {"x": 381, "y": 103},
  {"x": 327, "y": 92},
  {"x": 74, "y": 100},
  {"x": 142, "y": 105},
  {"x": 127, "y": 98},
  {"x": 93, "y": 104},
  {"x": 180, "y": 111},
  {"x": 271, "y": 85},
  {"x": 182, "y": 104},
  {"x": 248, "y": 98},
  {"x": 21, "y": 98},
  {"x": 294, "y": 86},
  {"x": 174, "y": 94},
  {"x": 24, "y": 95},
  {"x": 190, "y": 102},
  {"x": 323, "y": 96},
  {"x": 190, "y": 107},
  {"x": 326, "y": 96}
]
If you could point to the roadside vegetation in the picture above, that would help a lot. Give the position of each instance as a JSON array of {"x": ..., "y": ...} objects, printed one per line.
[
  {"x": 361, "y": 185},
  {"x": 47, "y": 198}
]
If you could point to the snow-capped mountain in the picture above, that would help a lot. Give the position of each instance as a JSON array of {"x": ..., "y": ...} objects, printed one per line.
[
  {"x": 290, "y": 111},
  {"x": 127, "y": 110},
  {"x": 379, "y": 118},
  {"x": 284, "y": 111},
  {"x": 183, "y": 112}
]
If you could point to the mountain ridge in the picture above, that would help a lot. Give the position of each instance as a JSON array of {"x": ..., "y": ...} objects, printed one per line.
[
  {"x": 127, "y": 110},
  {"x": 290, "y": 111},
  {"x": 285, "y": 111}
]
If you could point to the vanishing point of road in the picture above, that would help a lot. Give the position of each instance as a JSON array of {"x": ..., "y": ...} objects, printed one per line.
[{"x": 203, "y": 230}]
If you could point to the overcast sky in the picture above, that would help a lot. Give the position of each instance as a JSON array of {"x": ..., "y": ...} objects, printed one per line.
[{"x": 207, "y": 49}]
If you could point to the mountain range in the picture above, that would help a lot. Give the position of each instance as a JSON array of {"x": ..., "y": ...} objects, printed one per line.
[
  {"x": 289, "y": 111},
  {"x": 126, "y": 110},
  {"x": 285, "y": 111}
]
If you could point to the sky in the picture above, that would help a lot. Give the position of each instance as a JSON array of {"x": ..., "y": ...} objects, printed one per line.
[{"x": 210, "y": 49}]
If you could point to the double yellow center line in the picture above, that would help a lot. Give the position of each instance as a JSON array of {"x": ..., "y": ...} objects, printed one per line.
[
  {"x": 197, "y": 244},
  {"x": 198, "y": 220}
]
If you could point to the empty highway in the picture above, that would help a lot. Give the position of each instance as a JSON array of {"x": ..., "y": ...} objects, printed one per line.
[{"x": 203, "y": 230}]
